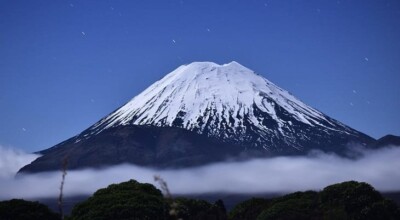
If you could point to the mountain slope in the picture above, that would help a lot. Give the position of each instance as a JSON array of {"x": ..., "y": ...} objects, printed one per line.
[
  {"x": 136, "y": 144},
  {"x": 232, "y": 103},
  {"x": 223, "y": 110},
  {"x": 387, "y": 140}
]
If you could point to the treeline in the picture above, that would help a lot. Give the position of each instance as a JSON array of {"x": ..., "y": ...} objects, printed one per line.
[{"x": 134, "y": 200}]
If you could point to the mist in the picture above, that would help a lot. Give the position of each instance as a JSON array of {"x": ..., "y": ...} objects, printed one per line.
[
  {"x": 11, "y": 160},
  {"x": 380, "y": 168}
]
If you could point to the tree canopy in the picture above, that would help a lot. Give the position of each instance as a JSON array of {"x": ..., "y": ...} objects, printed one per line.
[
  {"x": 347, "y": 200},
  {"x": 18, "y": 209}
]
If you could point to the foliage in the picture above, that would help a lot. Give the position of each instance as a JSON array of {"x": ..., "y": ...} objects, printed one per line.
[
  {"x": 299, "y": 205},
  {"x": 133, "y": 200},
  {"x": 347, "y": 200},
  {"x": 127, "y": 200},
  {"x": 18, "y": 209},
  {"x": 199, "y": 209},
  {"x": 249, "y": 209},
  {"x": 354, "y": 200}
]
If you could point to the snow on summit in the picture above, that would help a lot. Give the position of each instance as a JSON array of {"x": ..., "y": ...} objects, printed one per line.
[
  {"x": 230, "y": 89},
  {"x": 226, "y": 101}
]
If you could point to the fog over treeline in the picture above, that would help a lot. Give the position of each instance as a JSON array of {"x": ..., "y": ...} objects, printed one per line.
[{"x": 283, "y": 174}]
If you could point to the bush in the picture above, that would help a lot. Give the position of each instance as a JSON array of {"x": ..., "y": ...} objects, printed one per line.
[
  {"x": 299, "y": 205},
  {"x": 249, "y": 209},
  {"x": 347, "y": 200},
  {"x": 127, "y": 200},
  {"x": 18, "y": 209},
  {"x": 354, "y": 200},
  {"x": 195, "y": 209}
]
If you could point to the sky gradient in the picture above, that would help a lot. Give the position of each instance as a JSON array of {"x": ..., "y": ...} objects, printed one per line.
[{"x": 66, "y": 64}]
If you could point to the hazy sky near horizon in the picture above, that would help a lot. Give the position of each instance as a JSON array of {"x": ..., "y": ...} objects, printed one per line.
[{"x": 66, "y": 64}]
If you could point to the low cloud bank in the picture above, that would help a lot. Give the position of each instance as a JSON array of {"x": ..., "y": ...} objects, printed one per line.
[
  {"x": 380, "y": 168},
  {"x": 11, "y": 160}
]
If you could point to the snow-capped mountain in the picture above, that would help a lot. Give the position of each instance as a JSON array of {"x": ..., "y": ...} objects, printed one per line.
[
  {"x": 229, "y": 102},
  {"x": 200, "y": 113}
]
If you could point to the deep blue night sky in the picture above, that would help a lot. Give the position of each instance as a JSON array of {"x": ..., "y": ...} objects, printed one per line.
[{"x": 66, "y": 64}]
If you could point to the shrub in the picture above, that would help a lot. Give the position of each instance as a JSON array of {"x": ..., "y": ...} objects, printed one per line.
[
  {"x": 299, "y": 205},
  {"x": 127, "y": 200},
  {"x": 354, "y": 200},
  {"x": 347, "y": 200},
  {"x": 249, "y": 209},
  {"x": 18, "y": 209},
  {"x": 199, "y": 209}
]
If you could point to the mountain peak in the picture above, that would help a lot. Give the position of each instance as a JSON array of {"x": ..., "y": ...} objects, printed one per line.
[
  {"x": 227, "y": 101},
  {"x": 234, "y": 63},
  {"x": 205, "y": 64},
  {"x": 200, "y": 113},
  {"x": 212, "y": 69}
]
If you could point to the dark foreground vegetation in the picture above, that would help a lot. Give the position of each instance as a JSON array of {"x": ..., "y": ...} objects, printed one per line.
[
  {"x": 133, "y": 200},
  {"x": 21, "y": 209}
]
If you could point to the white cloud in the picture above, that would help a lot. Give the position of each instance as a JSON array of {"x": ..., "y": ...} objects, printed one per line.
[
  {"x": 380, "y": 168},
  {"x": 12, "y": 160}
]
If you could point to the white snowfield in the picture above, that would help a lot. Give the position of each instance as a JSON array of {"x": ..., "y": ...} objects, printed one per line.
[{"x": 204, "y": 94}]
